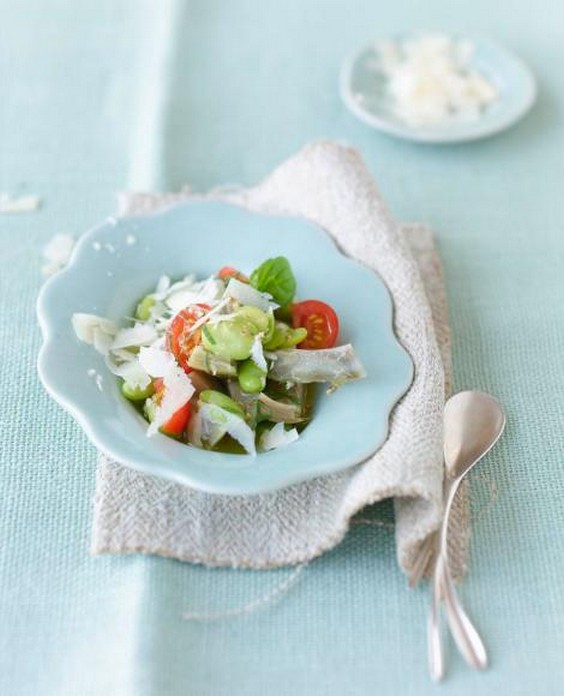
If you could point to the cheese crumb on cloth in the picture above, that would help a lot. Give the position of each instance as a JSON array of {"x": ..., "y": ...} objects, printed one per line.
[{"x": 19, "y": 204}]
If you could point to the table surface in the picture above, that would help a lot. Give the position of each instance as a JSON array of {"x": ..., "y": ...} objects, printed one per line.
[{"x": 101, "y": 96}]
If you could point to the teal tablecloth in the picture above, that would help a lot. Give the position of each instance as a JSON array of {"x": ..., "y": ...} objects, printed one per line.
[{"x": 98, "y": 96}]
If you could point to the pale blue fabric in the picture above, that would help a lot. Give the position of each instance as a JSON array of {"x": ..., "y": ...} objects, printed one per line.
[{"x": 242, "y": 84}]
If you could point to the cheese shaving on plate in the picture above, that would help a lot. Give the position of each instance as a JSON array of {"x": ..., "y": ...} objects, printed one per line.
[{"x": 430, "y": 79}]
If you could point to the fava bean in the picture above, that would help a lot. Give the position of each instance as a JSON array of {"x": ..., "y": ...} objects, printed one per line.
[
  {"x": 251, "y": 378},
  {"x": 143, "y": 310},
  {"x": 211, "y": 396},
  {"x": 285, "y": 337},
  {"x": 232, "y": 339},
  {"x": 136, "y": 393}
]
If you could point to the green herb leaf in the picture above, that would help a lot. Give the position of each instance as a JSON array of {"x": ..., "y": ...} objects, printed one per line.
[{"x": 275, "y": 277}]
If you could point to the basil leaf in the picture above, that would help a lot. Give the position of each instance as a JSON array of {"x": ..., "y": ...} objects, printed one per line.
[{"x": 275, "y": 277}]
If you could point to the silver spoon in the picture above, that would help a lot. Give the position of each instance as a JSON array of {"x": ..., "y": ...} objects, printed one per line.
[{"x": 473, "y": 423}]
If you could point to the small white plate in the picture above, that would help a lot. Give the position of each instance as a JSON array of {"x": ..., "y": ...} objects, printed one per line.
[{"x": 364, "y": 94}]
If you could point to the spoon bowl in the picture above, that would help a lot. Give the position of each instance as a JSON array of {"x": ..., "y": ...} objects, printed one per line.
[{"x": 473, "y": 423}]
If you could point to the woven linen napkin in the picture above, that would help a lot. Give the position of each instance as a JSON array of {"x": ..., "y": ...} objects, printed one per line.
[{"x": 330, "y": 185}]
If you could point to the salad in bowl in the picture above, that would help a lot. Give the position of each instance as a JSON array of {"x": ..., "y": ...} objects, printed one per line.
[
  {"x": 125, "y": 291},
  {"x": 226, "y": 363}
]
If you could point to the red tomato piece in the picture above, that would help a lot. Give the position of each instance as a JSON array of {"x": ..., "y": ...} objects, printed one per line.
[
  {"x": 321, "y": 322},
  {"x": 177, "y": 423},
  {"x": 228, "y": 272},
  {"x": 181, "y": 339}
]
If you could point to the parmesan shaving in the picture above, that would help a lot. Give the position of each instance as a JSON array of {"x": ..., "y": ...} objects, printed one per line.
[
  {"x": 94, "y": 330},
  {"x": 21, "y": 204},
  {"x": 216, "y": 422},
  {"x": 257, "y": 353},
  {"x": 216, "y": 310},
  {"x": 430, "y": 81},
  {"x": 247, "y": 295},
  {"x": 138, "y": 335},
  {"x": 277, "y": 437},
  {"x": 207, "y": 292},
  {"x": 101, "y": 341},
  {"x": 123, "y": 354},
  {"x": 162, "y": 287},
  {"x": 57, "y": 253},
  {"x": 131, "y": 372},
  {"x": 156, "y": 361}
]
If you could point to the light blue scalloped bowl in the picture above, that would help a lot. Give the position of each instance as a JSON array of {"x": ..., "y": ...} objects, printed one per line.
[
  {"x": 363, "y": 91},
  {"x": 200, "y": 237}
]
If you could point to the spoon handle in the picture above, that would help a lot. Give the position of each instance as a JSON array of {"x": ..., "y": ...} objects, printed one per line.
[
  {"x": 434, "y": 635},
  {"x": 466, "y": 637}
]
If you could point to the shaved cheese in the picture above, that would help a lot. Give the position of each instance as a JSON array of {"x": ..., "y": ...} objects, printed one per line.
[
  {"x": 215, "y": 420},
  {"x": 162, "y": 286},
  {"x": 165, "y": 287},
  {"x": 156, "y": 362},
  {"x": 131, "y": 372},
  {"x": 101, "y": 341},
  {"x": 207, "y": 292},
  {"x": 138, "y": 335},
  {"x": 187, "y": 282},
  {"x": 257, "y": 353},
  {"x": 22, "y": 204},
  {"x": 157, "y": 312},
  {"x": 94, "y": 330},
  {"x": 204, "y": 432},
  {"x": 208, "y": 316},
  {"x": 57, "y": 253},
  {"x": 124, "y": 355},
  {"x": 247, "y": 295},
  {"x": 217, "y": 318},
  {"x": 430, "y": 80},
  {"x": 178, "y": 390},
  {"x": 183, "y": 298},
  {"x": 277, "y": 437}
]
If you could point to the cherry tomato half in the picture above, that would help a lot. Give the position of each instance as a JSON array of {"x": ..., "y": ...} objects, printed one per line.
[
  {"x": 228, "y": 272},
  {"x": 177, "y": 423},
  {"x": 181, "y": 340},
  {"x": 321, "y": 322}
]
